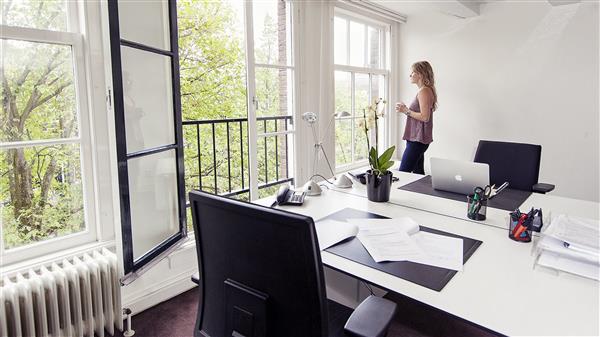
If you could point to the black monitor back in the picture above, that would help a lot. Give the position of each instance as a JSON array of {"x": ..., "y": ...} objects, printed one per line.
[{"x": 260, "y": 270}]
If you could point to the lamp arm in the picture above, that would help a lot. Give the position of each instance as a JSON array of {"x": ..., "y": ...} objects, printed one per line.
[
  {"x": 312, "y": 127},
  {"x": 328, "y": 126},
  {"x": 327, "y": 160}
]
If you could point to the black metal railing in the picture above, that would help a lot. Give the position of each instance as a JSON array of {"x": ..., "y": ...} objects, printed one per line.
[{"x": 220, "y": 145}]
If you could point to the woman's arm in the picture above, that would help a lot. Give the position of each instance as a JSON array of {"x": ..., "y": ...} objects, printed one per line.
[{"x": 425, "y": 98}]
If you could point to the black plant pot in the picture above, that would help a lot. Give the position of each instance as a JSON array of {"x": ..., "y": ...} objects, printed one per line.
[{"x": 379, "y": 187}]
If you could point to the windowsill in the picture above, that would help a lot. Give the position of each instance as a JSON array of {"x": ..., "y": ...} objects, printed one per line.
[
  {"x": 349, "y": 167},
  {"x": 46, "y": 260},
  {"x": 189, "y": 243}
]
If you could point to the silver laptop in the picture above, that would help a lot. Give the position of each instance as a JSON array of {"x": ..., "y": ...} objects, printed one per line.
[{"x": 458, "y": 176}]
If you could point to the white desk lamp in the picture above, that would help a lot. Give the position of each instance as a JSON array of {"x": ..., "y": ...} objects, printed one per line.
[{"x": 311, "y": 187}]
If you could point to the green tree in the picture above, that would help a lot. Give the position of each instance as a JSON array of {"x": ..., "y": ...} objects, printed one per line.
[
  {"x": 213, "y": 86},
  {"x": 40, "y": 187}
]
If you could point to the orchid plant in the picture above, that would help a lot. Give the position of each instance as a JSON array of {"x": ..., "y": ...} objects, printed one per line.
[{"x": 371, "y": 115}]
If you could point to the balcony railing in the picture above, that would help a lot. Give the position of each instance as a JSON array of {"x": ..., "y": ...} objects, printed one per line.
[{"x": 216, "y": 154}]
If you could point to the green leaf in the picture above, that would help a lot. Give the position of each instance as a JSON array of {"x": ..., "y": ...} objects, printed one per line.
[
  {"x": 386, "y": 156},
  {"x": 386, "y": 166},
  {"x": 373, "y": 158}
]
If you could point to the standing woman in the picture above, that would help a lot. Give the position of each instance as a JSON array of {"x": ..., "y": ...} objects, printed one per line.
[{"x": 418, "y": 132}]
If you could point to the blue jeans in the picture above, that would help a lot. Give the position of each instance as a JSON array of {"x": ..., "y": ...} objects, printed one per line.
[{"x": 413, "y": 157}]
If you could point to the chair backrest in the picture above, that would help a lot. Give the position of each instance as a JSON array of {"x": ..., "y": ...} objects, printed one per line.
[
  {"x": 260, "y": 270},
  {"x": 517, "y": 163}
]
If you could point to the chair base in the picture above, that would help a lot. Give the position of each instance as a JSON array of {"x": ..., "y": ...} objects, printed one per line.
[{"x": 338, "y": 315}]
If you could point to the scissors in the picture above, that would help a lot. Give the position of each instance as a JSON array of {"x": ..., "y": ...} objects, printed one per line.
[{"x": 483, "y": 193}]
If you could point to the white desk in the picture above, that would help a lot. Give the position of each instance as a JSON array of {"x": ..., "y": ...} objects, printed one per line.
[
  {"x": 457, "y": 209},
  {"x": 498, "y": 283}
]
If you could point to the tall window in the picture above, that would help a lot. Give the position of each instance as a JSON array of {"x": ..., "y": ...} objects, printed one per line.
[
  {"x": 361, "y": 76},
  {"x": 273, "y": 93},
  {"x": 45, "y": 159}
]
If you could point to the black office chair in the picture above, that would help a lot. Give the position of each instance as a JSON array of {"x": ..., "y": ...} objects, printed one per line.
[
  {"x": 517, "y": 163},
  {"x": 262, "y": 276}
]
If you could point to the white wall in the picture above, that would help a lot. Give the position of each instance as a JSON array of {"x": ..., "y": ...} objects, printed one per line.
[{"x": 523, "y": 72}]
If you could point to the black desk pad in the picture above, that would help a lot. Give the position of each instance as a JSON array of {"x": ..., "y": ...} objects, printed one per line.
[
  {"x": 431, "y": 277},
  {"x": 508, "y": 199}
]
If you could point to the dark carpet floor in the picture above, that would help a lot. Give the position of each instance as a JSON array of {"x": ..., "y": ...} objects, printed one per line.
[{"x": 177, "y": 317}]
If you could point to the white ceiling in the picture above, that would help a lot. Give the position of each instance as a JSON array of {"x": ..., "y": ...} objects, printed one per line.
[{"x": 460, "y": 8}]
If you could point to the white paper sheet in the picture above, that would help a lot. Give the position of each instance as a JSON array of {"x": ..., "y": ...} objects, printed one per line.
[
  {"x": 439, "y": 250},
  {"x": 330, "y": 232},
  {"x": 564, "y": 263},
  {"x": 399, "y": 239},
  {"x": 404, "y": 224},
  {"x": 579, "y": 232},
  {"x": 557, "y": 246},
  {"x": 386, "y": 245}
]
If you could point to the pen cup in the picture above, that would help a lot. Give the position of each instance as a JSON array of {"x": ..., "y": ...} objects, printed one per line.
[
  {"x": 476, "y": 208},
  {"x": 517, "y": 232}
]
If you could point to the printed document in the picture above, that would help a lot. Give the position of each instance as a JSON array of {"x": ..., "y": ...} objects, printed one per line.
[
  {"x": 388, "y": 244},
  {"x": 439, "y": 250},
  {"x": 399, "y": 239},
  {"x": 568, "y": 264},
  {"x": 330, "y": 232},
  {"x": 580, "y": 233}
]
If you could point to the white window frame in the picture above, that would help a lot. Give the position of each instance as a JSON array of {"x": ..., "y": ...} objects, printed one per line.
[
  {"x": 74, "y": 38},
  {"x": 253, "y": 135},
  {"x": 384, "y": 38}
]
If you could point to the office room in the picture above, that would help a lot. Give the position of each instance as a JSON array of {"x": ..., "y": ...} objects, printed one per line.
[{"x": 300, "y": 168}]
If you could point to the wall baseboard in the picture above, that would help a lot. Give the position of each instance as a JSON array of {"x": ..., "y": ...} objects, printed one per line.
[{"x": 149, "y": 297}]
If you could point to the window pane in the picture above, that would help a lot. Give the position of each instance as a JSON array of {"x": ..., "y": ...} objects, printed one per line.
[
  {"x": 343, "y": 98},
  {"x": 41, "y": 193},
  {"x": 145, "y": 22},
  {"x": 40, "y": 14},
  {"x": 378, "y": 90},
  {"x": 272, "y": 32},
  {"x": 274, "y": 91},
  {"x": 340, "y": 41},
  {"x": 343, "y": 141},
  {"x": 153, "y": 199},
  {"x": 361, "y": 93},
  {"x": 148, "y": 99},
  {"x": 360, "y": 142},
  {"x": 357, "y": 44},
  {"x": 40, "y": 94},
  {"x": 374, "y": 51}
]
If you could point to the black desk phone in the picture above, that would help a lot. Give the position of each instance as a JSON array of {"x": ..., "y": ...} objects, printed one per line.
[{"x": 286, "y": 196}]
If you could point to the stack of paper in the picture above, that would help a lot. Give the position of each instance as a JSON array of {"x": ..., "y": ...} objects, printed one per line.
[
  {"x": 571, "y": 244},
  {"x": 396, "y": 239}
]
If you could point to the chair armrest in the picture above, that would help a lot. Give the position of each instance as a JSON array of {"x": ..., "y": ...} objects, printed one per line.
[
  {"x": 371, "y": 318},
  {"x": 542, "y": 188},
  {"x": 196, "y": 278}
]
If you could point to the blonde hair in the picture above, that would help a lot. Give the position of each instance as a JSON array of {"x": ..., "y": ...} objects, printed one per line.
[{"x": 424, "y": 69}]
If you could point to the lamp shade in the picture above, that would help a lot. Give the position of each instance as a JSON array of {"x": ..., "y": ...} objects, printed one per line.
[
  {"x": 310, "y": 117},
  {"x": 342, "y": 114}
]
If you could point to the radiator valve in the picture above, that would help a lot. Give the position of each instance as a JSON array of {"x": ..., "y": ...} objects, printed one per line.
[{"x": 129, "y": 332}]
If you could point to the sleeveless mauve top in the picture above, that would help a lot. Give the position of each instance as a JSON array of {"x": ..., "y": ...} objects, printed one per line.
[{"x": 417, "y": 131}]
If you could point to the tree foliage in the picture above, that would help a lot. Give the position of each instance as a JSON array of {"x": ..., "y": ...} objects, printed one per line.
[
  {"x": 40, "y": 186},
  {"x": 213, "y": 86}
]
